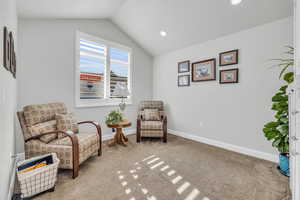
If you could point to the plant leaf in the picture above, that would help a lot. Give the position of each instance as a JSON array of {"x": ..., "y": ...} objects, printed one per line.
[{"x": 289, "y": 77}]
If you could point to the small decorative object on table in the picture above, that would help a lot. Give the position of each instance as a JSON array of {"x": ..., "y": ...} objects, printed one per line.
[
  {"x": 115, "y": 120},
  {"x": 121, "y": 91},
  {"x": 114, "y": 117},
  {"x": 37, "y": 175}
]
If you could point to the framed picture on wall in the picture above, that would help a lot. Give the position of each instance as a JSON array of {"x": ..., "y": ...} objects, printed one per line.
[
  {"x": 183, "y": 80},
  {"x": 12, "y": 55},
  {"x": 204, "y": 70},
  {"x": 229, "y": 76},
  {"x": 229, "y": 58},
  {"x": 6, "y": 49},
  {"x": 184, "y": 66}
]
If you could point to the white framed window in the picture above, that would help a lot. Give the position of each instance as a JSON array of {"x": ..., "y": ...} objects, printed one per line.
[{"x": 100, "y": 65}]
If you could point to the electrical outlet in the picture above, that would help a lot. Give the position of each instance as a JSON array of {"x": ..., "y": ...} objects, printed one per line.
[{"x": 201, "y": 124}]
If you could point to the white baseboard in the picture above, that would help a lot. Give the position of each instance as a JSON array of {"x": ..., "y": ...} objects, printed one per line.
[
  {"x": 126, "y": 132},
  {"x": 227, "y": 146}
]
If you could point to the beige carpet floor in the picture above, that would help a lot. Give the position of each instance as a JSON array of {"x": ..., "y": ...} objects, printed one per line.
[{"x": 179, "y": 170}]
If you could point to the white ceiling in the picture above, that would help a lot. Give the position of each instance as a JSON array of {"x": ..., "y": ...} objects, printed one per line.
[
  {"x": 193, "y": 21},
  {"x": 68, "y": 8},
  {"x": 186, "y": 21}
]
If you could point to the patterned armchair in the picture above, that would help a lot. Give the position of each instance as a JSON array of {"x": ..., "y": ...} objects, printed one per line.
[
  {"x": 39, "y": 125},
  {"x": 151, "y": 121}
]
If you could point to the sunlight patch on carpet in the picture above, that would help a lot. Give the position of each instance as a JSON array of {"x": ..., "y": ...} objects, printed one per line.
[
  {"x": 171, "y": 172},
  {"x": 148, "y": 158},
  {"x": 157, "y": 165},
  {"x": 164, "y": 168},
  {"x": 184, "y": 188},
  {"x": 193, "y": 195},
  {"x": 152, "y": 161},
  {"x": 176, "y": 179}
]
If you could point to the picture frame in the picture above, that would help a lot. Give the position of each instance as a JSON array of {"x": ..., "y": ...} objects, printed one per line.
[
  {"x": 204, "y": 70},
  {"x": 12, "y": 55},
  {"x": 229, "y": 76},
  {"x": 6, "y": 49},
  {"x": 184, "y": 66},
  {"x": 183, "y": 80},
  {"x": 229, "y": 58}
]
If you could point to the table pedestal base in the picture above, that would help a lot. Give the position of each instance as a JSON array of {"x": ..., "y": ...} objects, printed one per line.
[{"x": 119, "y": 138}]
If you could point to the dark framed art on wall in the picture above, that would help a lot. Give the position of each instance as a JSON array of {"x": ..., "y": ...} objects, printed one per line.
[
  {"x": 184, "y": 66},
  {"x": 183, "y": 80},
  {"x": 204, "y": 70},
  {"x": 12, "y": 55},
  {"x": 6, "y": 49},
  {"x": 229, "y": 58},
  {"x": 229, "y": 76}
]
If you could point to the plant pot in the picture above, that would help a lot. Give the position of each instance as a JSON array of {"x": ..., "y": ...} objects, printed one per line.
[{"x": 284, "y": 164}]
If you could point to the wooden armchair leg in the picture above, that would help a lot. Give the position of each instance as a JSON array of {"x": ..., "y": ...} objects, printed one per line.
[
  {"x": 165, "y": 138},
  {"x": 75, "y": 165},
  {"x": 138, "y": 131},
  {"x": 100, "y": 148},
  {"x": 165, "y": 130},
  {"x": 75, "y": 155},
  {"x": 75, "y": 172},
  {"x": 138, "y": 139}
]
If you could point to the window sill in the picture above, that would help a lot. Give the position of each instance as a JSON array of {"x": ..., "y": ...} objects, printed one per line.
[{"x": 103, "y": 103}]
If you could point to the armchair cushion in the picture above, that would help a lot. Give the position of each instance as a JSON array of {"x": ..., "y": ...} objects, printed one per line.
[
  {"x": 151, "y": 105},
  {"x": 85, "y": 141},
  {"x": 37, "y": 148},
  {"x": 44, "y": 127},
  {"x": 151, "y": 115},
  {"x": 66, "y": 122},
  {"x": 39, "y": 113},
  {"x": 151, "y": 125}
]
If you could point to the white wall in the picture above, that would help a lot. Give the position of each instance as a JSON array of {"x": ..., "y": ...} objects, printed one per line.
[
  {"x": 229, "y": 113},
  {"x": 47, "y": 60},
  {"x": 8, "y": 17}
]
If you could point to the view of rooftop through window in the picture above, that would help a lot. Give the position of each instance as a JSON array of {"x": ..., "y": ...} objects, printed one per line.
[
  {"x": 119, "y": 61},
  {"x": 93, "y": 65},
  {"x": 92, "y": 68}
]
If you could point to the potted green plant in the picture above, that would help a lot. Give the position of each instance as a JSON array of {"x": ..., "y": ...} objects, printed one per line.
[
  {"x": 277, "y": 131},
  {"x": 114, "y": 117}
]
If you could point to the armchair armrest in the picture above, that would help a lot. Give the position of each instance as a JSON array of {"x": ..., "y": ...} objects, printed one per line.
[
  {"x": 75, "y": 147},
  {"x": 99, "y": 132},
  {"x": 164, "y": 118},
  {"x": 69, "y": 134}
]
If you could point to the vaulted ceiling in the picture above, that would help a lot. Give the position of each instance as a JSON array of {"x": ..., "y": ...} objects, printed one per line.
[
  {"x": 68, "y": 9},
  {"x": 186, "y": 21}
]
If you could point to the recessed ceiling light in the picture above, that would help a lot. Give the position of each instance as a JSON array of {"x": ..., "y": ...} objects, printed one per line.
[
  {"x": 163, "y": 33},
  {"x": 236, "y": 2}
]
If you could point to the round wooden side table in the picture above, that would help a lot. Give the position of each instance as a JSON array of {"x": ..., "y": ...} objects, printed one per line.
[{"x": 119, "y": 136}]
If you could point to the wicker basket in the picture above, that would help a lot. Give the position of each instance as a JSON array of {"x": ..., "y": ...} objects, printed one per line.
[{"x": 38, "y": 180}]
